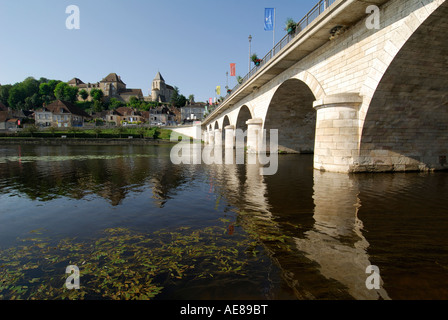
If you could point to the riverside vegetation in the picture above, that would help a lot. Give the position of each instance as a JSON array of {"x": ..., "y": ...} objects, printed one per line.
[{"x": 121, "y": 264}]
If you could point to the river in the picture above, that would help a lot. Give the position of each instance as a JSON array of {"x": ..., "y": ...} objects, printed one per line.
[{"x": 138, "y": 226}]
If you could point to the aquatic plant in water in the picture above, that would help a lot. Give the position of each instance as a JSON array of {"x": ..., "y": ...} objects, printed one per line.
[{"x": 120, "y": 264}]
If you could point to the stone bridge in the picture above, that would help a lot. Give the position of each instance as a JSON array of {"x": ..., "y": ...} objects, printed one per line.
[{"x": 361, "y": 99}]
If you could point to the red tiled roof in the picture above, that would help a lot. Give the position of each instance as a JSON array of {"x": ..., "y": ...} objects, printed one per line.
[
  {"x": 66, "y": 107},
  {"x": 112, "y": 77}
]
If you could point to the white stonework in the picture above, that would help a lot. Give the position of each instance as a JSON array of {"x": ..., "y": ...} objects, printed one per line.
[{"x": 392, "y": 84}]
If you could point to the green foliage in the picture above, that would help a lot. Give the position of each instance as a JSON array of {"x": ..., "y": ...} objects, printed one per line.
[
  {"x": 84, "y": 105},
  {"x": 32, "y": 130},
  {"x": 121, "y": 264},
  {"x": 83, "y": 94},
  {"x": 115, "y": 103},
  {"x": 4, "y": 94},
  {"x": 97, "y": 94},
  {"x": 19, "y": 92},
  {"x": 64, "y": 92},
  {"x": 290, "y": 25},
  {"x": 98, "y": 106},
  {"x": 178, "y": 100},
  {"x": 46, "y": 91}
]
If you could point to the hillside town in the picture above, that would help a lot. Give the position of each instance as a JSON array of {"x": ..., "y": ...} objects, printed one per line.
[{"x": 105, "y": 103}]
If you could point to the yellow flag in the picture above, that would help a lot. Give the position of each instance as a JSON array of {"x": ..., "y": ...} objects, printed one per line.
[{"x": 218, "y": 90}]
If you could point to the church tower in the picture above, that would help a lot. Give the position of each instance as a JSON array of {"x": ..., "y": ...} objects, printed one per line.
[{"x": 158, "y": 88}]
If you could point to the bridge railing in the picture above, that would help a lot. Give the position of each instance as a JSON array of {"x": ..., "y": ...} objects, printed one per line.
[{"x": 315, "y": 12}]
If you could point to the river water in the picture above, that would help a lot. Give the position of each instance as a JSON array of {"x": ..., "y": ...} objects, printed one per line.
[{"x": 215, "y": 231}]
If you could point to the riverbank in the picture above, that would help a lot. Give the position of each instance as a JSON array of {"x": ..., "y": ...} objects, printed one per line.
[{"x": 84, "y": 141}]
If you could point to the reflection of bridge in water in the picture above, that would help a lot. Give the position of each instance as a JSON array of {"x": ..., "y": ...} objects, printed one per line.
[{"x": 328, "y": 260}]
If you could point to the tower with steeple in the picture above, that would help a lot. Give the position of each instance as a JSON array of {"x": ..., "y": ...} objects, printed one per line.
[{"x": 160, "y": 91}]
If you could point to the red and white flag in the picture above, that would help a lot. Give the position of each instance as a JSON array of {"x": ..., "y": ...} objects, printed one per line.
[{"x": 232, "y": 69}]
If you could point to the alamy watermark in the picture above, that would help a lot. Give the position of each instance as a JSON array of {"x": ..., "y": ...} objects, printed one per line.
[
  {"x": 374, "y": 280},
  {"x": 73, "y": 21},
  {"x": 191, "y": 152},
  {"x": 73, "y": 281},
  {"x": 373, "y": 20}
]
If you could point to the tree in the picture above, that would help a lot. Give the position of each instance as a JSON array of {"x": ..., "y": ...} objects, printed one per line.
[
  {"x": 32, "y": 129},
  {"x": 22, "y": 90},
  {"x": 52, "y": 130},
  {"x": 74, "y": 130},
  {"x": 134, "y": 102},
  {"x": 46, "y": 91},
  {"x": 178, "y": 100},
  {"x": 4, "y": 94},
  {"x": 83, "y": 94},
  {"x": 98, "y": 131},
  {"x": 120, "y": 131},
  {"x": 97, "y": 95},
  {"x": 64, "y": 92},
  {"x": 114, "y": 103}
]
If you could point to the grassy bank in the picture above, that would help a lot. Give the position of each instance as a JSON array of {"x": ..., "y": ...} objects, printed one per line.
[{"x": 154, "y": 133}]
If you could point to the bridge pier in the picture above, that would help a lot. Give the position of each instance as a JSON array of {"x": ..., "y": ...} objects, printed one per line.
[
  {"x": 337, "y": 132},
  {"x": 211, "y": 138},
  {"x": 254, "y": 135},
  {"x": 229, "y": 142},
  {"x": 205, "y": 137},
  {"x": 218, "y": 137}
]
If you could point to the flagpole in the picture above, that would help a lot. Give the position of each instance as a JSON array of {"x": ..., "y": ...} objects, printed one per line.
[{"x": 273, "y": 41}]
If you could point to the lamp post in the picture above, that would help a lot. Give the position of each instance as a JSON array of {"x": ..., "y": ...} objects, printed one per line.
[{"x": 250, "y": 50}]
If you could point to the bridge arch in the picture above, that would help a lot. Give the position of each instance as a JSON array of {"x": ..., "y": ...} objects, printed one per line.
[
  {"x": 244, "y": 114},
  {"x": 406, "y": 123},
  {"x": 291, "y": 112}
]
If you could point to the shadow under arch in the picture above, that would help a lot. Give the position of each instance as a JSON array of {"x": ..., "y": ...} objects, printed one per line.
[
  {"x": 225, "y": 123},
  {"x": 291, "y": 112},
  {"x": 406, "y": 125},
  {"x": 243, "y": 116}
]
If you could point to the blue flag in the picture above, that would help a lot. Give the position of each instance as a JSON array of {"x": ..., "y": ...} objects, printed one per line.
[{"x": 269, "y": 19}]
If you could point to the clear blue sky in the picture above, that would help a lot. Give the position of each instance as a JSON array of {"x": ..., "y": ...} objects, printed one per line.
[{"x": 191, "y": 42}]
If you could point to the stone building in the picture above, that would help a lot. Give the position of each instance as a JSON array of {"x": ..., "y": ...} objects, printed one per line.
[
  {"x": 112, "y": 87},
  {"x": 160, "y": 91},
  {"x": 193, "y": 111},
  {"x": 124, "y": 116},
  {"x": 60, "y": 114}
]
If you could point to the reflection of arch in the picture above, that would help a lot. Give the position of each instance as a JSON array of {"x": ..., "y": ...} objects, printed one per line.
[
  {"x": 291, "y": 112},
  {"x": 406, "y": 125},
  {"x": 243, "y": 116}
]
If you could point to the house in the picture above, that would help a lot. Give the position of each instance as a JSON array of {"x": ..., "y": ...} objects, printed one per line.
[
  {"x": 193, "y": 111},
  {"x": 10, "y": 119},
  {"x": 125, "y": 115},
  {"x": 162, "y": 116},
  {"x": 60, "y": 114}
]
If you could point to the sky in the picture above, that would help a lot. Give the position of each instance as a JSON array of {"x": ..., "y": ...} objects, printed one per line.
[{"x": 190, "y": 42}]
